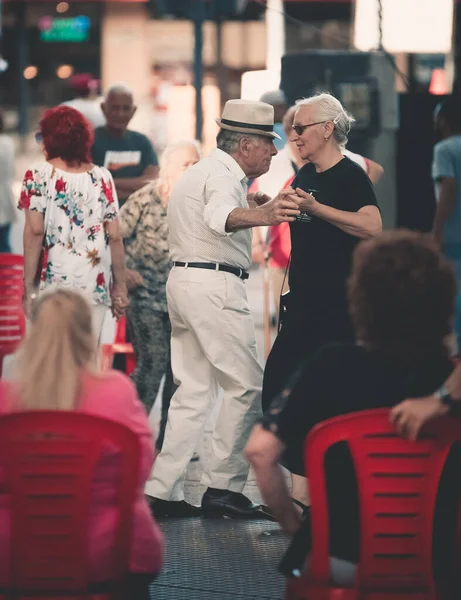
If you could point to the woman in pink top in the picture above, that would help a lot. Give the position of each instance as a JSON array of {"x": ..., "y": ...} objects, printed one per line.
[{"x": 54, "y": 372}]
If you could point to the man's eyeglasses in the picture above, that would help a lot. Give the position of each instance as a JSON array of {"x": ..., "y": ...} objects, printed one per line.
[
  {"x": 39, "y": 137},
  {"x": 299, "y": 129}
]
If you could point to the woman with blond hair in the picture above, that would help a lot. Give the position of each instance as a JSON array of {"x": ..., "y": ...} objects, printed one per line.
[
  {"x": 55, "y": 371},
  {"x": 144, "y": 226}
]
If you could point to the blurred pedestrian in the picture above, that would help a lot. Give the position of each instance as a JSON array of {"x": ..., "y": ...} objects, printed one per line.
[
  {"x": 7, "y": 208},
  {"x": 143, "y": 223},
  {"x": 127, "y": 154},
  {"x": 213, "y": 337},
  {"x": 71, "y": 232},
  {"x": 55, "y": 371},
  {"x": 446, "y": 173},
  {"x": 338, "y": 208},
  {"x": 84, "y": 87}
]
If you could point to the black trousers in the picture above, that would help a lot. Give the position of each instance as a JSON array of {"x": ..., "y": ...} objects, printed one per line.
[{"x": 309, "y": 323}]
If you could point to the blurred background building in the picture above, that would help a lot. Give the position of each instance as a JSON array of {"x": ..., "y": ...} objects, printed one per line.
[{"x": 167, "y": 49}]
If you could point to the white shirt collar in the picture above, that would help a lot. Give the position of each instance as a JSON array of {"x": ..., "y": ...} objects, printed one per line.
[{"x": 230, "y": 163}]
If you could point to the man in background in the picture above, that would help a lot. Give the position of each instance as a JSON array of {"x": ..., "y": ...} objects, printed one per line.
[
  {"x": 84, "y": 86},
  {"x": 127, "y": 154},
  {"x": 446, "y": 173}
]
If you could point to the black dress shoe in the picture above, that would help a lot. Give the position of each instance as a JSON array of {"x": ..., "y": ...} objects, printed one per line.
[
  {"x": 173, "y": 508},
  {"x": 223, "y": 503}
]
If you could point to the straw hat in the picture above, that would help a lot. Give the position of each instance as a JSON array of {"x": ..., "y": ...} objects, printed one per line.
[{"x": 248, "y": 116}]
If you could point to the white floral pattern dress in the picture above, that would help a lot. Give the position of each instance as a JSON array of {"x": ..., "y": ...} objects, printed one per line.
[{"x": 75, "y": 207}]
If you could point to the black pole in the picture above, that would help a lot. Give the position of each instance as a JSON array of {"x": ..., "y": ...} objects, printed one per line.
[
  {"x": 23, "y": 83},
  {"x": 199, "y": 17}
]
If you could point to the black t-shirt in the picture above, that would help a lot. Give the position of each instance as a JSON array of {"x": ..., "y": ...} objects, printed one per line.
[
  {"x": 336, "y": 380},
  {"x": 125, "y": 157},
  {"x": 321, "y": 252}
]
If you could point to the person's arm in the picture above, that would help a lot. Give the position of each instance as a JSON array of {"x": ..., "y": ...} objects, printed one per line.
[
  {"x": 364, "y": 224},
  {"x": 279, "y": 210},
  {"x": 126, "y": 187},
  {"x": 119, "y": 292},
  {"x": 264, "y": 451},
  {"x": 447, "y": 191},
  {"x": 374, "y": 170},
  {"x": 222, "y": 197},
  {"x": 33, "y": 203},
  {"x": 412, "y": 414},
  {"x": 34, "y": 230},
  {"x": 444, "y": 177}
]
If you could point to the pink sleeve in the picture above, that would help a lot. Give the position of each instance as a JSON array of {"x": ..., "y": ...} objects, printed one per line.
[{"x": 126, "y": 408}]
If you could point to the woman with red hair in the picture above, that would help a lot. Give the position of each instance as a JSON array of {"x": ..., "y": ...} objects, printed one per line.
[{"x": 71, "y": 232}]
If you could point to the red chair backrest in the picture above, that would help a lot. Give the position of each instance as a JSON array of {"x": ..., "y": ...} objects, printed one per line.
[
  {"x": 11, "y": 275},
  {"x": 49, "y": 459},
  {"x": 397, "y": 482},
  {"x": 12, "y": 323},
  {"x": 120, "y": 332}
]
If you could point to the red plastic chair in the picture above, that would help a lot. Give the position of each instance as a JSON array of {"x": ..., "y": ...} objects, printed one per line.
[
  {"x": 49, "y": 459},
  {"x": 120, "y": 346},
  {"x": 397, "y": 486},
  {"x": 12, "y": 320},
  {"x": 11, "y": 275}
]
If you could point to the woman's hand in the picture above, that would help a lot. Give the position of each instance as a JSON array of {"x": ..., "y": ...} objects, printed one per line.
[
  {"x": 119, "y": 296},
  {"x": 133, "y": 279},
  {"x": 305, "y": 201},
  {"x": 411, "y": 415}
]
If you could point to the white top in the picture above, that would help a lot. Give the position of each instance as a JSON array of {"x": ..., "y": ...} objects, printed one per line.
[
  {"x": 198, "y": 209},
  {"x": 75, "y": 207},
  {"x": 90, "y": 109},
  {"x": 280, "y": 171},
  {"x": 7, "y": 209},
  {"x": 357, "y": 158}
]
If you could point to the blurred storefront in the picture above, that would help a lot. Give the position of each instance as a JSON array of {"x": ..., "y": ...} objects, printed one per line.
[{"x": 127, "y": 41}]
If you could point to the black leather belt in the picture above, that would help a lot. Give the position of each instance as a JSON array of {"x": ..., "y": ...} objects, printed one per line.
[{"x": 216, "y": 266}]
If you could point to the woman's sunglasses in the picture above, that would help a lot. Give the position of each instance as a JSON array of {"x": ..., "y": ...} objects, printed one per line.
[
  {"x": 299, "y": 129},
  {"x": 39, "y": 137}
]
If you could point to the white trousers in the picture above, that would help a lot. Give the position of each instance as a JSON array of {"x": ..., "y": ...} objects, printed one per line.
[{"x": 213, "y": 344}]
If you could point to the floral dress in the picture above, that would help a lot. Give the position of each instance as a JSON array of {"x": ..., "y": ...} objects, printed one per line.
[{"x": 75, "y": 207}]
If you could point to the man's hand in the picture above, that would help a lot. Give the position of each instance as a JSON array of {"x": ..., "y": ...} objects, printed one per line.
[
  {"x": 281, "y": 209},
  {"x": 261, "y": 198},
  {"x": 305, "y": 201},
  {"x": 120, "y": 301},
  {"x": 411, "y": 415},
  {"x": 133, "y": 279}
]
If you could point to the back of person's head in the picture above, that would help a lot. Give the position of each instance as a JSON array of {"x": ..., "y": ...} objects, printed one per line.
[
  {"x": 449, "y": 110},
  {"x": 402, "y": 295},
  {"x": 176, "y": 158},
  {"x": 82, "y": 84},
  {"x": 58, "y": 348},
  {"x": 66, "y": 135}
]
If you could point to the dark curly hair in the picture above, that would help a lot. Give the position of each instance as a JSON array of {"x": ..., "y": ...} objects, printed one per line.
[
  {"x": 402, "y": 294},
  {"x": 66, "y": 135}
]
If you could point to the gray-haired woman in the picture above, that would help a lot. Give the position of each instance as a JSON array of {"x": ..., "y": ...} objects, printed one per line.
[
  {"x": 144, "y": 226},
  {"x": 339, "y": 208}
]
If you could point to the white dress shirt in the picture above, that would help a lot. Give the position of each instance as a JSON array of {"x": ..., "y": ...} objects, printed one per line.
[{"x": 199, "y": 206}]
